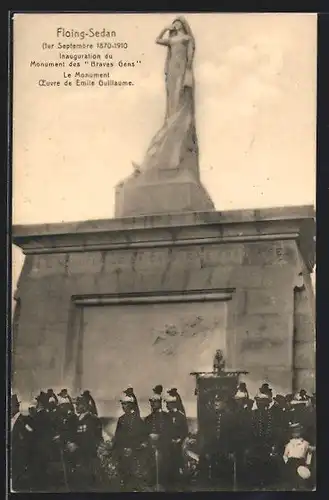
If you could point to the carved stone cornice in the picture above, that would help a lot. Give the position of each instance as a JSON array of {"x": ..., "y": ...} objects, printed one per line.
[
  {"x": 153, "y": 297},
  {"x": 286, "y": 223}
]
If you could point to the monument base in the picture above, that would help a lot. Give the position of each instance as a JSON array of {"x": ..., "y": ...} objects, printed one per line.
[
  {"x": 170, "y": 191},
  {"x": 146, "y": 300}
]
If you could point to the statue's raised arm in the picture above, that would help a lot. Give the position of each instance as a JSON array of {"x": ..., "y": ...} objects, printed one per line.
[
  {"x": 161, "y": 40},
  {"x": 177, "y": 137}
]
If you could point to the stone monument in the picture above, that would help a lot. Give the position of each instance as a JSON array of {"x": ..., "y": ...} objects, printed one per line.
[
  {"x": 149, "y": 296},
  {"x": 168, "y": 180}
]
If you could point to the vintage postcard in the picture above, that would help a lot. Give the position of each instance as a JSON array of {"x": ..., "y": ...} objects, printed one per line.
[{"x": 163, "y": 321}]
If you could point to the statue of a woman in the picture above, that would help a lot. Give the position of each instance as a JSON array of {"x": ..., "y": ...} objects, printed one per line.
[{"x": 177, "y": 137}]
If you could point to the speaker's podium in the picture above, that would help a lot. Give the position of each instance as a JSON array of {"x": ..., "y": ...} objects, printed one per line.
[{"x": 218, "y": 384}]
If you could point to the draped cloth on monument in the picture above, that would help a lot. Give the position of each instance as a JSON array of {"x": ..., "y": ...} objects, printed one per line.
[{"x": 177, "y": 137}]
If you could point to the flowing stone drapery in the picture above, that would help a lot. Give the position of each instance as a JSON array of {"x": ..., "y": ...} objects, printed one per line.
[{"x": 177, "y": 137}]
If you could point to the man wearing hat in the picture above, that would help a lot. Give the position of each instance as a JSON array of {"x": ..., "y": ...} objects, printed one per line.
[
  {"x": 174, "y": 393},
  {"x": 262, "y": 440},
  {"x": 130, "y": 445},
  {"x": 64, "y": 400},
  {"x": 84, "y": 446},
  {"x": 218, "y": 444},
  {"x": 177, "y": 432},
  {"x": 51, "y": 397},
  {"x": 157, "y": 427},
  {"x": 91, "y": 402},
  {"x": 44, "y": 433},
  {"x": 242, "y": 432},
  {"x": 158, "y": 390},
  {"x": 297, "y": 458},
  {"x": 21, "y": 447},
  {"x": 130, "y": 393}
]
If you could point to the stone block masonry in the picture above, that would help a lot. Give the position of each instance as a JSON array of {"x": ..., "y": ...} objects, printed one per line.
[{"x": 254, "y": 264}]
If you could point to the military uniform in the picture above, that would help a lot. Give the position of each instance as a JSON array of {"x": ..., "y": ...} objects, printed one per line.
[
  {"x": 242, "y": 431},
  {"x": 218, "y": 447},
  {"x": 157, "y": 428},
  {"x": 130, "y": 443},
  {"x": 21, "y": 434},
  {"x": 260, "y": 461},
  {"x": 177, "y": 432},
  {"x": 87, "y": 438}
]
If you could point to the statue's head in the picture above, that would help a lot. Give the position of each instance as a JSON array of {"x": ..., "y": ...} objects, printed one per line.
[{"x": 180, "y": 25}]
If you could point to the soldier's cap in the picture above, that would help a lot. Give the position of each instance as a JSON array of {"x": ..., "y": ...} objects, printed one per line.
[
  {"x": 155, "y": 397},
  {"x": 158, "y": 389},
  {"x": 127, "y": 399},
  {"x": 14, "y": 400},
  {"x": 62, "y": 392},
  {"x": 172, "y": 390},
  {"x": 129, "y": 389}
]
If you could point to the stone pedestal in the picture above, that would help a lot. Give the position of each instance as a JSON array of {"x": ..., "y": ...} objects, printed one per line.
[
  {"x": 161, "y": 192},
  {"x": 147, "y": 300}
]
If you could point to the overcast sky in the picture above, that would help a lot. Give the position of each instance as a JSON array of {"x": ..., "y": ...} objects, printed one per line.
[{"x": 255, "y": 110}]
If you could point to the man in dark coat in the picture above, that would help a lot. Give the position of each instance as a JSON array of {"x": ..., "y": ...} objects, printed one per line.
[
  {"x": 84, "y": 445},
  {"x": 241, "y": 434},
  {"x": 218, "y": 444},
  {"x": 21, "y": 447},
  {"x": 177, "y": 432},
  {"x": 51, "y": 397},
  {"x": 44, "y": 433},
  {"x": 130, "y": 447},
  {"x": 158, "y": 431},
  {"x": 263, "y": 439}
]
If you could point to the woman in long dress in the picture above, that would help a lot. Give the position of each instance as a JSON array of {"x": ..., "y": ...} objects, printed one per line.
[{"x": 177, "y": 137}]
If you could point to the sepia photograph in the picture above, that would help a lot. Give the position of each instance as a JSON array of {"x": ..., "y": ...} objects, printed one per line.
[{"x": 163, "y": 252}]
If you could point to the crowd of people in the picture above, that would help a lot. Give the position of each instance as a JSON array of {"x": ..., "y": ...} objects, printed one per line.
[{"x": 245, "y": 444}]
